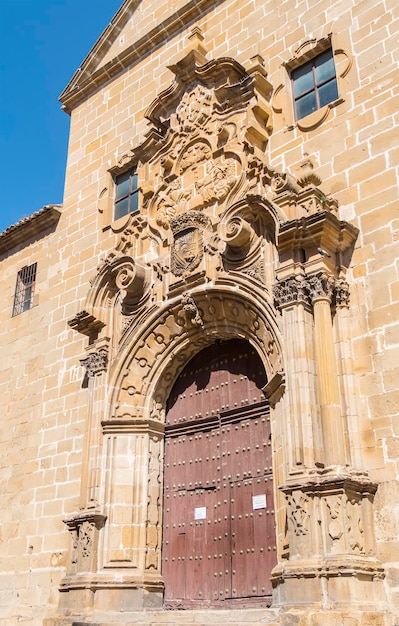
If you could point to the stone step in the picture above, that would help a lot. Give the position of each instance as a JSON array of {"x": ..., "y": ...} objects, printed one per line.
[{"x": 233, "y": 617}]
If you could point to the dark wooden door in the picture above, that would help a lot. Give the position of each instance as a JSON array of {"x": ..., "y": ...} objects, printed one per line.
[{"x": 219, "y": 529}]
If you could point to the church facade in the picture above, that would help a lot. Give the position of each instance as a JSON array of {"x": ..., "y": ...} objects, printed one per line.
[{"x": 201, "y": 344}]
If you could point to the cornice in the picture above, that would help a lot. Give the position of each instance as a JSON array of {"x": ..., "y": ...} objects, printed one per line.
[
  {"x": 320, "y": 228},
  {"x": 86, "y": 81},
  {"x": 33, "y": 226}
]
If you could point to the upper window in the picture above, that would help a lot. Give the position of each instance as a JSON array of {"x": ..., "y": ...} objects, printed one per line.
[
  {"x": 24, "y": 289},
  {"x": 314, "y": 84},
  {"x": 126, "y": 194}
]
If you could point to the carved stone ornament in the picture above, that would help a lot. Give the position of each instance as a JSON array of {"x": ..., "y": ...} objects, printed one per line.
[
  {"x": 201, "y": 181},
  {"x": 172, "y": 201},
  {"x": 291, "y": 291},
  {"x": 195, "y": 109},
  {"x": 84, "y": 528},
  {"x": 202, "y": 129},
  {"x": 298, "y": 505},
  {"x": 220, "y": 178},
  {"x": 237, "y": 233},
  {"x": 281, "y": 182},
  {"x": 307, "y": 175},
  {"x": 190, "y": 314},
  {"x": 188, "y": 246},
  {"x": 86, "y": 324},
  {"x": 335, "y": 524},
  {"x": 96, "y": 362},
  {"x": 342, "y": 295},
  {"x": 131, "y": 281},
  {"x": 321, "y": 286}
]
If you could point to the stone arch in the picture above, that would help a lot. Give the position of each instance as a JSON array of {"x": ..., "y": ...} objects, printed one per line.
[{"x": 144, "y": 373}]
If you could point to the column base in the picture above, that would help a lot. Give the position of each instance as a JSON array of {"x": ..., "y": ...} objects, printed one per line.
[
  {"x": 81, "y": 596},
  {"x": 331, "y": 583}
]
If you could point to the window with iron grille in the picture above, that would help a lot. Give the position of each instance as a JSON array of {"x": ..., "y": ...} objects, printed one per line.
[
  {"x": 126, "y": 194},
  {"x": 24, "y": 289},
  {"x": 314, "y": 84}
]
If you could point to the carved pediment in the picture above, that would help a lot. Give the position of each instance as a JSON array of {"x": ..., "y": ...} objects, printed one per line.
[
  {"x": 212, "y": 88},
  {"x": 205, "y": 128}
]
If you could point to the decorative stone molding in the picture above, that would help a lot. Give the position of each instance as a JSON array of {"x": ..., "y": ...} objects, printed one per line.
[
  {"x": 299, "y": 513},
  {"x": 131, "y": 280},
  {"x": 342, "y": 294},
  {"x": 84, "y": 528},
  {"x": 224, "y": 313},
  {"x": 309, "y": 289},
  {"x": 190, "y": 313},
  {"x": 291, "y": 291},
  {"x": 154, "y": 515},
  {"x": 326, "y": 543},
  {"x": 283, "y": 182},
  {"x": 333, "y": 510},
  {"x": 188, "y": 247},
  {"x": 307, "y": 176},
  {"x": 237, "y": 233},
  {"x": 310, "y": 48},
  {"x": 96, "y": 362},
  {"x": 317, "y": 243},
  {"x": 321, "y": 287},
  {"x": 86, "y": 324}
]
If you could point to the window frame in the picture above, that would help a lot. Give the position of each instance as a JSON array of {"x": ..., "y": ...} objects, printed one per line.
[
  {"x": 24, "y": 289},
  {"x": 333, "y": 78},
  {"x": 131, "y": 196}
]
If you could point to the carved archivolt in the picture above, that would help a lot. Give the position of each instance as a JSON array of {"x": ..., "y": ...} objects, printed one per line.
[{"x": 160, "y": 350}]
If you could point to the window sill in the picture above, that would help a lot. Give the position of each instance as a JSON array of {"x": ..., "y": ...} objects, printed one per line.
[
  {"x": 120, "y": 224},
  {"x": 313, "y": 120}
]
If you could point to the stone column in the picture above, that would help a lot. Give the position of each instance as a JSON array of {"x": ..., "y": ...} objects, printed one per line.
[
  {"x": 86, "y": 525},
  {"x": 95, "y": 364},
  {"x": 321, "y": 291},
  {"x": 302, "y": 433}
]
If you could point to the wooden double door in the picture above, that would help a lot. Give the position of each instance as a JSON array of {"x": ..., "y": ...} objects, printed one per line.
[{"x": 219, "y": 530}]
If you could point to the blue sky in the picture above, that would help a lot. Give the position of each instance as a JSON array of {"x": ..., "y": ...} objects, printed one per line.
[{"x": 42, "y": 43}]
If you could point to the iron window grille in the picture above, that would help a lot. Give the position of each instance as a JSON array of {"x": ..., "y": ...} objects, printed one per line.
[
  {"x": 24, "y": 289},
  {"x": 314, "y": 84},
  {"x": 126, "y": 194}
]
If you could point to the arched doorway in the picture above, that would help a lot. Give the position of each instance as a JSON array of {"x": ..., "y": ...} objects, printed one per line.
[{"x": 219, "y": 528}]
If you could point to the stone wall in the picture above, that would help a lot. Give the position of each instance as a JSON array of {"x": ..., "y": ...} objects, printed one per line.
[{"x": 350, "y": 153}]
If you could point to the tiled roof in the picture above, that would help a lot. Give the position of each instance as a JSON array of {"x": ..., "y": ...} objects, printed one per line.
[{"x": 30, "y": 226}]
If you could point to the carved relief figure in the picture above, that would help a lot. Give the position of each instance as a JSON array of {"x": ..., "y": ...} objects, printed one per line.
[
  {"x": 219, "y": 179},
  {"x": 194, "y": 155},
  {"x": 172, "y": 201}
]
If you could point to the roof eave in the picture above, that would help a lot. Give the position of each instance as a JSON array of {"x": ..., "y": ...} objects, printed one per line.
[{"x": 33, "y": 226}]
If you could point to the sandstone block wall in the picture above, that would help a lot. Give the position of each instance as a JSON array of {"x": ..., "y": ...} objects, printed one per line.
[{"x": 355, "y": 153}]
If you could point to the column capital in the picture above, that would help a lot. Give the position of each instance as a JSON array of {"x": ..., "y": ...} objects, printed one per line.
[
  {"x": 290, "y": 291},
  {"x": 321, "y": 287},
  {"x": 96, "y": 362}
]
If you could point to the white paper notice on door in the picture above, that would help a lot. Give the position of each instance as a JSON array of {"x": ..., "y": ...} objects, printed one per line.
[
  {"x": 259, "y": 502},
  {"x": 200, "y": 512}
]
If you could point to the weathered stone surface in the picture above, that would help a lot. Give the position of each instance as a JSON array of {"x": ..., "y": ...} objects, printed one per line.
[{"x": 251, "y": 225}]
